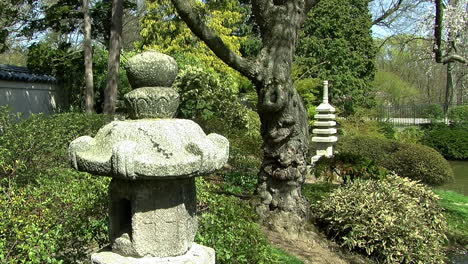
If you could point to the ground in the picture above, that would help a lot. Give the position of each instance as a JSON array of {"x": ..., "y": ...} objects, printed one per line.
[{"x": 312, "y": 248}]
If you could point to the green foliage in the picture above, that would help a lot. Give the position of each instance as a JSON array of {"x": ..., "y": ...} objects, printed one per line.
[
  {"x": 7, "y": 118},
  {"x": 317, "y": 191},
  {"x": 392, "y": 89},
  {"x": 456, "y": 211},
  {"x": 349, "y": 167},
  {"x": 458, "y": 114},
  {"x": 228, "y": 225},
  {"x": 204, "y": 94},
  {"x": 55, "y": 221},
  {"x": 100, "y": 58},
  {"x": 40, "y": 142},
  {"x": 239, "y": 182},
  {"x": 409, "y": 135},
  {"x": 413, "y": 161},
  {"x": 285, "y": 258},
  {"x": 336, "y": 45},
  {"x": 433, "y": 112},
  {"x": 393, "y": 220},
  {"x": 63, "y": 62},
  {"x": 309, "y": 89},
  {"x": 419, "y": 162},
  {"x": 164, "y": 32},
  {"x": 49, "y": 213},
  {"x": 451, "y": 142},
  {"x": 357, "y": 125}
]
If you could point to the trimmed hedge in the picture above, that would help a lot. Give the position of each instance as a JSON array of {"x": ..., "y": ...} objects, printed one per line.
[
  {"x": 413, "y": 161},
  {"x": 451, "y": 142},
  {"x": 392, "y": 221}
]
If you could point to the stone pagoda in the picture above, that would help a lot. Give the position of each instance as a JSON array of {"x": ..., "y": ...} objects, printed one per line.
[
  {"x": 325, "y": 131},
  {"x": 152, "y": 159}
]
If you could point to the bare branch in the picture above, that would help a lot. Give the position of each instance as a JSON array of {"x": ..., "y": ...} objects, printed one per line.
[
  {"x": 388, "y": 13},
  {"x": 212, "y": 40}
]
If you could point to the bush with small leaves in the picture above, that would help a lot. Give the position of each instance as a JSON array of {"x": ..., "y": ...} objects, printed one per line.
[
  {"x": 56, "y": 220},
  {"x": 419, "y": 162},
  {"x": 349, "y": 167},
  {"x": 413, "y": 161},
  {"x": 40, "y": 142},
  {"x": 451, "y": 142},
  {"x": 394, "y": 220},
  {"x": 458, "y": 114},
  {"x": 228, "y": 225}
]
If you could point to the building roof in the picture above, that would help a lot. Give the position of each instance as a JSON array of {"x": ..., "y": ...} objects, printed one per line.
[{"x": 16, "y": 73}]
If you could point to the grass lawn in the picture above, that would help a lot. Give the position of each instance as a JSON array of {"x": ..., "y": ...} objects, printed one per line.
[
  {"x": 285, "y": 258},
  {"x": 456, "y": 212}
]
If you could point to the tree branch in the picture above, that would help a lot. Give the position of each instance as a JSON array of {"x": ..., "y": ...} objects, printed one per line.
[
  {"x": 213, "y": 41},
  {"x": 388, "y": 13},
  {"x": 454, "y": 58}
]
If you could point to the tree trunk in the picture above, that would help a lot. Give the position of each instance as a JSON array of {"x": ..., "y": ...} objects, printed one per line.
[
  {"x": 449, "y": 89},
  {"x": 88, "y": 60},
  {"x": 284, "y": 126},
  {"x": 110, "y": 93}
]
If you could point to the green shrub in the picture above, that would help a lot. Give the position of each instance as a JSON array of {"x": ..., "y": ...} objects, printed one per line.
[
  {"x": 7, "y": 118},
  {"x": 317, "y": 191},
  {"x": 433, "y": 112},
  {"x": 421, "y": 163},
  {"x": 206, "y": 94},
  {"x": 409, "y": 135},
  {"x": 348, "y": 167},
  {"x": 393, "y": 220},
  {"x": 356, "y": 126},
  {"x": 413, "y": 161},
  {"x": 458, "y": 114},
  {"x": 57, "y": 220},
  {"x": 451, "y": 142},
  {"x": 377, "y": 149},
  {"x": 41, "y": 142},
  {"x": 228, "y": 225}
]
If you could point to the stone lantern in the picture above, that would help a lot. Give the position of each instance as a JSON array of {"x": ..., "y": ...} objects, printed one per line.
[
  {"x": 152, "y": 160},
  {"x": 324, "y": 131}
]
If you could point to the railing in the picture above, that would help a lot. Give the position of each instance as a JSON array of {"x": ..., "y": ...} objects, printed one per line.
[{"x": 411, "y": 114}]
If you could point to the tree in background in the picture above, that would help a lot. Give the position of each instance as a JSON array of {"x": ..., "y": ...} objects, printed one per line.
[
  {"x": 336, "y": 45},
  {"x": 435, "y": 31},
  {"x": 208, "y": 87},
  {"x": 88, "y": 59},
  {"x": 450, "y": 36},
  {"x": 110, "y": 93},
  {"x": 166, "y": 33},
  {"x": 405, "y": 59}
]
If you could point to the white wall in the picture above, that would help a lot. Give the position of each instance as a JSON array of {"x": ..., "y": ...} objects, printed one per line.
[{"x": 29, "y": 98}]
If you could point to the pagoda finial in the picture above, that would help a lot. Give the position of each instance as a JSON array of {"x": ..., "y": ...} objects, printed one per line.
[{"x": 325, "y": 92}]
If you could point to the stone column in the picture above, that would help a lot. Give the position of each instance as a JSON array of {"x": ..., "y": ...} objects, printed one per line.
[
  {"x": 325, "y": 131},
  {"x": 153, "y": 160}
]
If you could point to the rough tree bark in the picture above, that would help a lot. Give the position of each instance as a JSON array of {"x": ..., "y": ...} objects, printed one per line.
[
  {"x": 88, "y": 60},
  {"x": 284, "y": 127},
  {"x": 110, "y": 93}
]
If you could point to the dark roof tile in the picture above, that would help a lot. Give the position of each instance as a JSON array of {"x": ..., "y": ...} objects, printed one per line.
[{"x": 16, "y": 73}]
